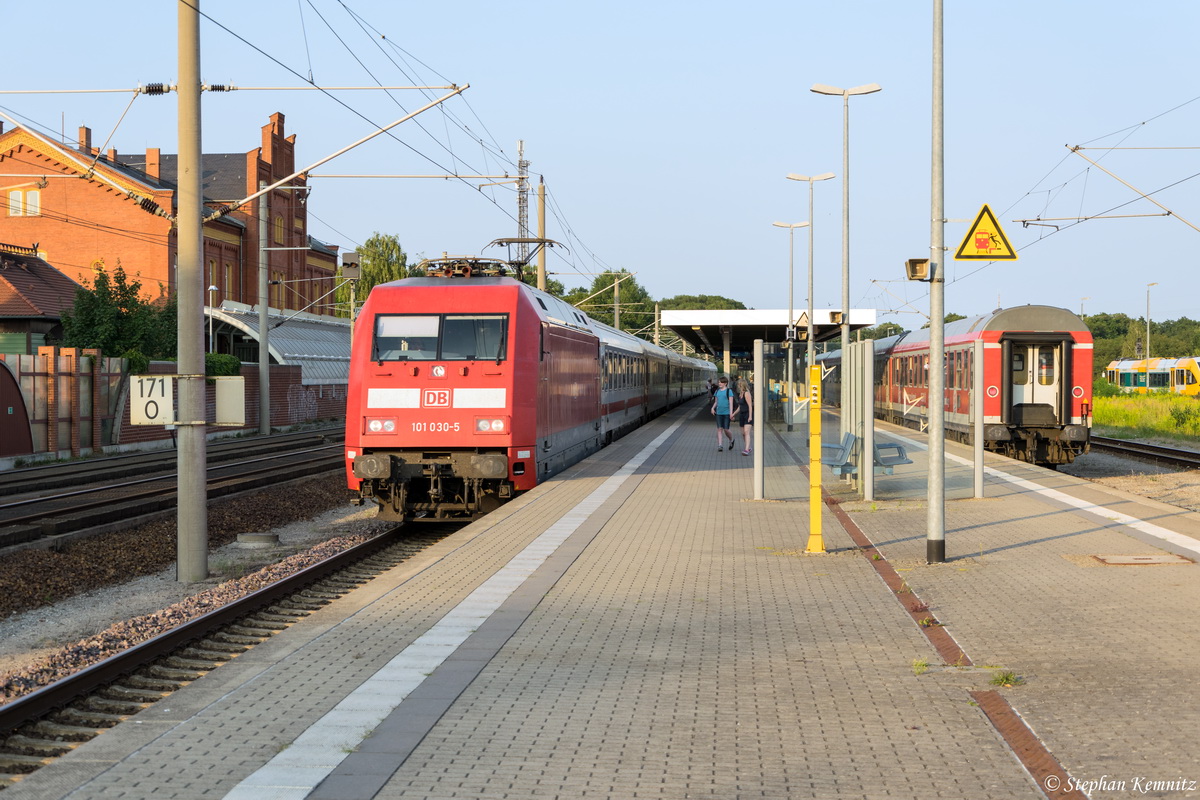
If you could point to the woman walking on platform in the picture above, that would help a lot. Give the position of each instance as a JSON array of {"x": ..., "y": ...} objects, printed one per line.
[{"x": 745, "y": 414}]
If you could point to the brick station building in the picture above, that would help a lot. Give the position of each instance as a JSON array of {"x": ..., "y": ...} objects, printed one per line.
[{"x": 85, "y": 208}]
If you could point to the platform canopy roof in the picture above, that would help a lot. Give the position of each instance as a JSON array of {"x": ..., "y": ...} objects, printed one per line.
[
  {"x": 710, "y": 331},
  {"x": 319, "y": 345}
]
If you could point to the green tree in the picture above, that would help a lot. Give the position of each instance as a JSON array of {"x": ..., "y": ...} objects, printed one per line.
[
  {"x": 949, "y": 318},
  {"x": 112, "y": 316},
  {"x": 381, "y": 260},
  {"x": 882, "y": 331},
  {"x": 553, "y": 287},
  {"x": 637, "y": 306},
  {"x": 1107, "y": 326},
  {"x": 700, "y": 302},
  {"x": 164, "y": 337}
]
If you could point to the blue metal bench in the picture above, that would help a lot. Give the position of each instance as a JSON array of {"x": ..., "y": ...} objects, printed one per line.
[
  {"x": 886, "y": 464},
  {"x": 838, "y": 456}
]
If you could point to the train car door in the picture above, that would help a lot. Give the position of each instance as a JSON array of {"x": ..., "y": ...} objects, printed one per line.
[{"x": 1035, "y": 381}]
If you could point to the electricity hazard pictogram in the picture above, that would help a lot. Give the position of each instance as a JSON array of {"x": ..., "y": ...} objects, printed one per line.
[{"x": 985, "y": 240}]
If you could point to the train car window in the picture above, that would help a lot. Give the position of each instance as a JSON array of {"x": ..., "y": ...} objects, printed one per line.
[
  {"x": 1020, "y": 376},
  {"x": 475, "y": 337},
  {"x": 406, "y": 338},
  {"x": 1158, "y": 380},
  {"x": 1046, "y": 366}
]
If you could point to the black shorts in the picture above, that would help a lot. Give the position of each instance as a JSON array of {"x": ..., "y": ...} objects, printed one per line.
[{"x": 743, "y": 418}]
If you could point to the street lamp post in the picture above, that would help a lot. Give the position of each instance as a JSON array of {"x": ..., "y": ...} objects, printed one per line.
[
  {"x": 845, "y": 94},
  {"x": 790, "y": 334},
  {"x": 1081, "y": 304},
  {"x": 824, "y": 176},
  {"x": 1148, "y": 285},
  {"x": 211, "y": 343}
]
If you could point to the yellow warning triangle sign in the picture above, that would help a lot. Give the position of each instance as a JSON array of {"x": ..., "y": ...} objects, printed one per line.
[{"x": 985, "y": 240}]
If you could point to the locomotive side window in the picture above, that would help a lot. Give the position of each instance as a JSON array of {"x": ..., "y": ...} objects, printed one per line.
[
  {"x": 406, "y": 338},
  {"x": 1046, "y": 366},
  {"x": 1020, "y": 376}
]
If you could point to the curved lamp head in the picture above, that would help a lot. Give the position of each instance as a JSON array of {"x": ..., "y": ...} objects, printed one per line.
[
  {"x": 824, "y": 176},
  {"x": 869, "y": 88}
]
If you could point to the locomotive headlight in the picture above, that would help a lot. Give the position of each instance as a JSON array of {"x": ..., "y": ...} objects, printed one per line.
[
  {"x": 381, "y": 424},
  {"x": 491, "y": 424}
]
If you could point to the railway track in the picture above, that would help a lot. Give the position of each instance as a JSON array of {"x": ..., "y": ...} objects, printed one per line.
[
  {"x": 52, "y": 721},
  {"x": 43, "y": 478},
  {"x": 55, "y": 518},
  {"x": 1148, "y": 452}
]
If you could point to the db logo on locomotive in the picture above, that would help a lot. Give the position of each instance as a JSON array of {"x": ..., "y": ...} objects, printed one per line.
[{"x": 435, "y": 398}]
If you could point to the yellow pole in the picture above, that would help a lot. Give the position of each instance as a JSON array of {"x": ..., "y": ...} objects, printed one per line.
[{"x": 816, "y": 544}]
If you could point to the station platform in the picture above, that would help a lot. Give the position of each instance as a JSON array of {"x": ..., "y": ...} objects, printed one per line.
[{"x": 637, "y": 627}]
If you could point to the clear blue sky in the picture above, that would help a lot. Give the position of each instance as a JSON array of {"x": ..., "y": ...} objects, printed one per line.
[{"x": 664, "y": 131}]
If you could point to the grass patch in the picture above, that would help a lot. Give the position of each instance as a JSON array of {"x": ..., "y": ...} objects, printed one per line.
[
  {"x": 1006, "y": 678},
  {"x": 1153, "y": 416}
]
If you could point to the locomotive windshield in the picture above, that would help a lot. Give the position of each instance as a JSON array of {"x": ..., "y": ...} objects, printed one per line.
[{"x": 440, "y": 337}]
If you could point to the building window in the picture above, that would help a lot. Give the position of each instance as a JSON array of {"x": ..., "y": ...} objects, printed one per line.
[
  {"x": 278, "y": 229},
  {"x": 24, "y": 202},
  {"x": 229, "y": 285}
]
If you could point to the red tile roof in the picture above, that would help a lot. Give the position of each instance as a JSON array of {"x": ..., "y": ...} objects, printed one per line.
[{"x": 29, "y": 287}]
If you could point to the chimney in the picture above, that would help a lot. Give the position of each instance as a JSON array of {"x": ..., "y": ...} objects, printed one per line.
[
  {"x": 85, "y": 140},
  {"x": 112, "y": 155},
  {"x": 152, "y": 156}
]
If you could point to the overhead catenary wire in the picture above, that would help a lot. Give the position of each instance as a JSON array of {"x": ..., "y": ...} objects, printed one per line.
[
  {"x": 1125, "y": 133},
  {"x": 488, "y": 149}
]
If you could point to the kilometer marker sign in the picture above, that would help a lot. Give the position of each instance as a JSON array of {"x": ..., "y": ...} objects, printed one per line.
[{"x": 985, "y": 240}]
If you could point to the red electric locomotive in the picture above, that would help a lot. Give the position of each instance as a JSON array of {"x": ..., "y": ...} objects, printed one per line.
[
  {"x": 1037, "y": 378},
  {"x": 468, "y": 386}
]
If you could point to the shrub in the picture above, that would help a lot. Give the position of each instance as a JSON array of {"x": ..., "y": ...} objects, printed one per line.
[
  {"x": 139, "y": 364},
  {"x": 221, "y": 364}
]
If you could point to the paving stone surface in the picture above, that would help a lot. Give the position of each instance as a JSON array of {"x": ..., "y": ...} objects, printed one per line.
[{"x": 679, "y": 643}]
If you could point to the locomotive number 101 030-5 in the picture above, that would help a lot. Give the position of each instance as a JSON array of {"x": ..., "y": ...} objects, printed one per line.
[{"x": 435, "y": 427}]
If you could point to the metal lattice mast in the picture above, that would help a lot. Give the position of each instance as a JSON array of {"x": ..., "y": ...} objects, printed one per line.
[{"x": 522, "y": 202}]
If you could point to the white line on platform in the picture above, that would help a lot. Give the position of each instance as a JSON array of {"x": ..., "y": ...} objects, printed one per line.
[
  {"x": 1148, "y": 528},
  {"x": 295, "y": 772}
]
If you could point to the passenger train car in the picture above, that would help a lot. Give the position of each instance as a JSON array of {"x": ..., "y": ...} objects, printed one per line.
[
  {"x": 1140, "y": 375},
  {"x": 469, "y": 386},
  {"x": 1037, "y": 377}
]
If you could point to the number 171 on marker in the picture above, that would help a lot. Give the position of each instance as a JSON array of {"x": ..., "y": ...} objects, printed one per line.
[{"x": 152, "y": 400}]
